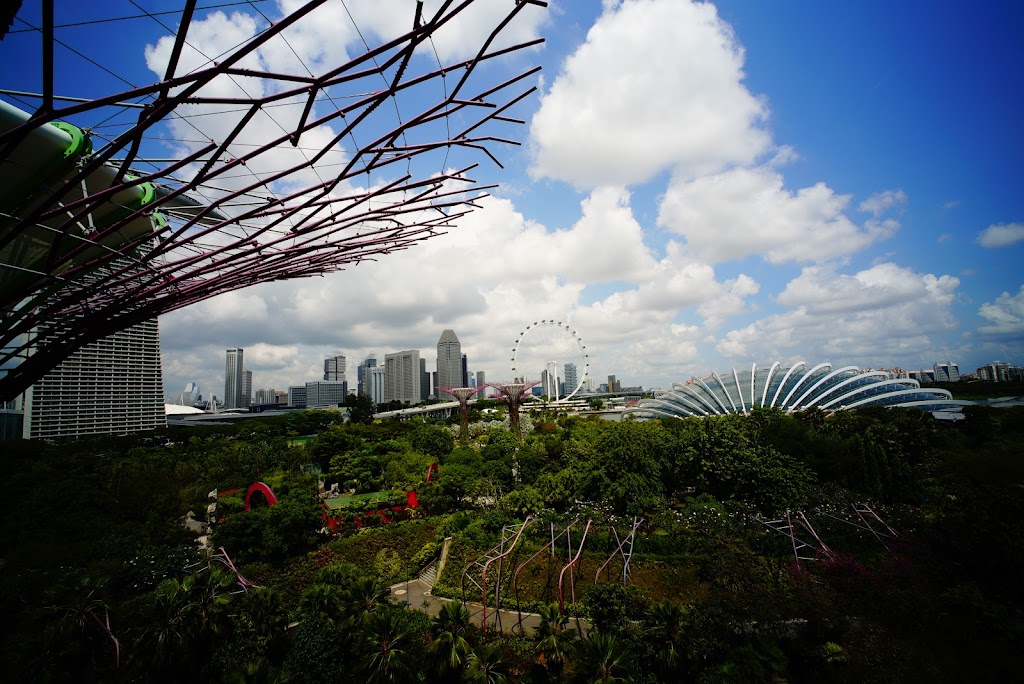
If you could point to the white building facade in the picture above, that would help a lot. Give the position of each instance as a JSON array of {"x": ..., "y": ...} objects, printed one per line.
[{"x": 112, "y": 386}]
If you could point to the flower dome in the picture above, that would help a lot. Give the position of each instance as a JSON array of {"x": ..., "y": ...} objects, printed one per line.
[{"x": 793, "y": 389}]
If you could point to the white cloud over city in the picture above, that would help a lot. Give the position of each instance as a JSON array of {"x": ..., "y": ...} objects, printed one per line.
[{"x": 693, "y": 243}]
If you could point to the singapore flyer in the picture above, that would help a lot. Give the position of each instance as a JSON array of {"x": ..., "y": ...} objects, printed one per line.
[{"x": 551, "y": 350}]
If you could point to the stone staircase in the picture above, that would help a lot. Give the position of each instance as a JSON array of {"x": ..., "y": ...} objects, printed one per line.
[{"x": 428, "y": 575}]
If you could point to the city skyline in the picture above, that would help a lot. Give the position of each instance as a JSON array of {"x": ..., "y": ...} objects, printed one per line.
[{"x": 847, "y": 190}]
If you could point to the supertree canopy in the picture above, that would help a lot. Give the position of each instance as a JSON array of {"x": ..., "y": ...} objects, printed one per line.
[
  {"x": 514, "y": 394},
  {"x": 462, "y": 395},
  {"x": 252, "y": 157}
]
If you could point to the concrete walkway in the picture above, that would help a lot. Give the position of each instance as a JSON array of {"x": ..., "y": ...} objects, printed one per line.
[{"x": 416, "y": 594}]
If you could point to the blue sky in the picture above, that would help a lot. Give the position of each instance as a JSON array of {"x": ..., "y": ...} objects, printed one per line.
[{"x": 699, "y": 186}]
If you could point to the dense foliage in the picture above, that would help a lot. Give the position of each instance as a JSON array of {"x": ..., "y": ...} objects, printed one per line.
[{"x": 94, "y": 537}]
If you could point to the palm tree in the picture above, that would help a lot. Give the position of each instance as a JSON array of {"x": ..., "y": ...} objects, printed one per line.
[
  {"x": 665, "y": 632},
  {"x": 387, "y": 659},
  {"x": 553, "y": 638},
  {"x": 603, "y": 661},
  {"x": 322, "y": 599},
  {"x": 450, "y": 646},
  {"x": 364, "y": 597},
  {"x": 487, "y": 665}
]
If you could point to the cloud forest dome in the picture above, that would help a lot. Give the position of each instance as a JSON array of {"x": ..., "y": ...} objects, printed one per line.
[{"x": 795, "y": 388}]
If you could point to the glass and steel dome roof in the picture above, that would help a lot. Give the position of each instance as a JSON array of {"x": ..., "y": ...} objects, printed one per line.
[{"x": 791, "y": 389}]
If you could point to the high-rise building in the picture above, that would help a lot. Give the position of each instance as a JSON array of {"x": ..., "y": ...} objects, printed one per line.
[
  {"x": 246, "y": 395},
  {"x": 266, "y": 396},
  {"x": 297, "y": 396},
  {"x": 449, "y": 361},
  {"x": 233, "y": 378},
  {"x": 320, "y": 393},
  {"x": 424, "y": 381},
  {"x": 481, "y": 380},
  {"x": 571, "y": 379},
  {"x": 334, "y": 367},
  {"x": 549, "y": 380},
  {"x": 402, "y": 376},
  {"x": 361, "y": 373},
  {"x": 613, "y": 384},
  {"x": 375, "y": 383},
  {"x": 465, "y": 372},
  {"x": 189, "y": 396},
  {"x": 112, "y": 386}
]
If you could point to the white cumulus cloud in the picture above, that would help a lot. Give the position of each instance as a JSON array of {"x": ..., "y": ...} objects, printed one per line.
[
  {"x": 884, "y": 314},
  {"x": 656, "y": 84},
  {"x": 747, "y": 211},
  {"x": 1001, "y": 235},
  {"x": 1005, "y": 315}
]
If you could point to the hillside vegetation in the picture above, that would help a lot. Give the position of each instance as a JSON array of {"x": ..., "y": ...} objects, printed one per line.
[{"x": 95, "y": 551}]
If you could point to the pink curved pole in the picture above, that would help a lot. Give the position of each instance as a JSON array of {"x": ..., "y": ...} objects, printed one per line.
[{"x": 569, "y": 566}]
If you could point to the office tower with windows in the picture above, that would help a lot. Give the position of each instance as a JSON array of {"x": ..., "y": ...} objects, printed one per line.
[
  {"x": 323, "y": 393},
  {"x": 362, "y": 387},
  {"x": 246, "y": 395},
  {"x": 481, "y": 380},
  {"x": 233, "y": 378},
  {"x": 112, "y": 386},
  {"x": 464, "y": 372},
  {"x": 402, "y": 376},
  {"x": 449, "y": 361},
  {"x": 424, "y": 381},
  {"x": 375, "y": 383},
  {"x": 297, "y": 396},
  {"x": 334, "y": 367},
  {"x": 571, "y": 379}
]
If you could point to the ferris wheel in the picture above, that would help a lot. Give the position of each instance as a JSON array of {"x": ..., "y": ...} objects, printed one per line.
[{"x": 554, "y": 340}]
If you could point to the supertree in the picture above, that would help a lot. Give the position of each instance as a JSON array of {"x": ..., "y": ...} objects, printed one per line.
[
  {"x": 462, "y": 394},
  {"x": 273, "y": 174},
  {"x": 513, "y": 394}
]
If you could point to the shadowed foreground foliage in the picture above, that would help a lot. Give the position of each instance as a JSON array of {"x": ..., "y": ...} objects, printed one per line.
[{"x": 93, "y": 537}]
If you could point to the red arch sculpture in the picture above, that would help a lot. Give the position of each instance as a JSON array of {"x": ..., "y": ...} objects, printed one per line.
[{"x": 263, "y": 489}]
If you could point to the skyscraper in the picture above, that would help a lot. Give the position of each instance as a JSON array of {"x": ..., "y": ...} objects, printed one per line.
[
  {"x": 362, "y": 373},
  {"x": 112, "y": 386},
  {"x": 449, "y": 361},
  {"x": 233, "y": 377},
  {"x": 571, "y": 379},
  {"x": 246, "y": 395},
  {"x": 481, "y": 380},
  {"x": 424, "y": 381},
  {"x": 334, "y": 367},
  {"x": 374, "y": 380},
  {"x": 464, "y": 376},
  {"x": 402, "y": 376}
]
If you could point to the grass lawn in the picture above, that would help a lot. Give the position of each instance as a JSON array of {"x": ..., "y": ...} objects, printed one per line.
[{"x": 346, "y": 500}]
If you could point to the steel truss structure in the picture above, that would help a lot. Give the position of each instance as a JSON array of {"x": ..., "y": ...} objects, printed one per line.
[
  {"x": 622, "y": 550},
  {"x": 96, "y": 236},
  {"x": 808, "y": 546},
  {"x": 462, "y": 394},
  {"x": 864, "y": 514}
]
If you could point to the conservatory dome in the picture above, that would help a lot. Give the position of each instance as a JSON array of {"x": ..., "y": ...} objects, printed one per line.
[{"x": 791, "y": 389}]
